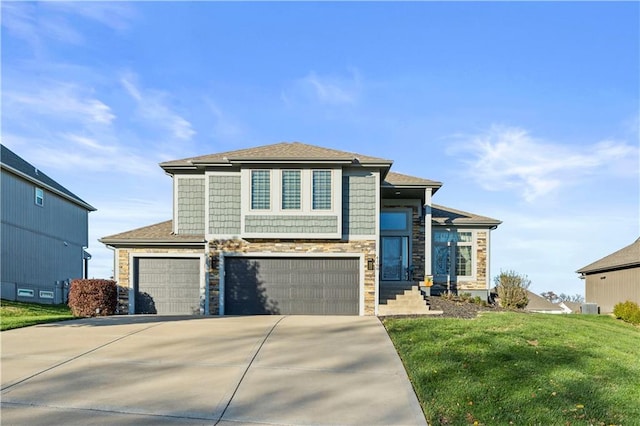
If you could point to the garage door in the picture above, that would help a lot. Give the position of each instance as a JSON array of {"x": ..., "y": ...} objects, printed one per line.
[
  {"x": 310, "y": 286},
  {"x": 167, "y": 286}
]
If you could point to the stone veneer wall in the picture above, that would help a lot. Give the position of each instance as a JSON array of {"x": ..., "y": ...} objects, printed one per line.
[
  {"x": 124, "y": 269},
  {"x": 417, "y": 243},
  {"x": 367, "y": 247}
]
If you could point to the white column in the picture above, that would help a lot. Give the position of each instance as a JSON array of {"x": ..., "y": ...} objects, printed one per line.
[{"x": 427, "y": 233}]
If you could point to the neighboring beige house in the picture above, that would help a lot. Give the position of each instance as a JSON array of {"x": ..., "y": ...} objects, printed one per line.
[
  {"x": 292, "y": 228},
  {"x": 614, "y": 278},
  {"x": 541, "y": 305}
]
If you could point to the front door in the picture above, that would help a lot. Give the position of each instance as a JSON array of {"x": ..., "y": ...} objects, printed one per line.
[{"x": 394, "y": 258}]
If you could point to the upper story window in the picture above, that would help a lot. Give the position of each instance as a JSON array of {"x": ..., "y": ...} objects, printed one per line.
[
  {"x": 291, "y": 190},
  {"x": 39, "y": 197},
  {"x": 393, "y": 221},
  {"x": 260, "y": 190},
  {"x": 321, "y": 191}
]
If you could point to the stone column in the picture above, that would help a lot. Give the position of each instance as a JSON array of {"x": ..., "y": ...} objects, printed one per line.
[{"x": 427, "y": 234}]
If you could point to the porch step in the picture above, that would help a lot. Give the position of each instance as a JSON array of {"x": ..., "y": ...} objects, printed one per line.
[{"x": 403, "y": 299}]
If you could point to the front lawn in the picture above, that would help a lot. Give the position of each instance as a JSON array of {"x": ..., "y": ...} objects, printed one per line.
[
  {"x": 19, "y": 314},
  {"x": 522, "y": 369}
]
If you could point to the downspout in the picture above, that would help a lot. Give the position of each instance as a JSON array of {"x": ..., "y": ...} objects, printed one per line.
[{"x": 428, "y": 276}]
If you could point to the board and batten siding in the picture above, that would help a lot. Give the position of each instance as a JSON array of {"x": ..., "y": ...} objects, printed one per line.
[
  {"x": 224, "y": 204},
  {"x": 611, "y": 287},
  {"x": 190, "y": 205},
  {"x": 40, "y": 244},
  {"x": 359, "y": 203}
]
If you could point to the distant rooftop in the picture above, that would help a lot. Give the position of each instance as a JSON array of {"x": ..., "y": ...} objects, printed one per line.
[{"x": 13, "y": 162}]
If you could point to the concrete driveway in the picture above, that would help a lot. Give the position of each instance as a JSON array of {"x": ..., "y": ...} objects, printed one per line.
[{"x": 147, "y": 370}]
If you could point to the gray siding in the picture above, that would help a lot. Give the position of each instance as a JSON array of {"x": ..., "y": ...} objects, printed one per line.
[
  {"x": 224, "y": 205},
  {"x": 359, "y": 204},
  {"x": 190, "y": 206},
  {"x": 611, "y": 287},
  {"x": 291, "y": 224},
  {"x": 33, "y": 238}
]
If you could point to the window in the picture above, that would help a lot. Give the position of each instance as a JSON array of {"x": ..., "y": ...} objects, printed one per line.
[
  {"x": 291, "y": 190},
  {"x": 393, "y": 221},
  {"x": 25, "y": 292},
  {"x": 462, "y": 244},
  {"x": 321, "y": 190},
  {"x": 46, "y": 294},
  {"x": 39, "y": 197},
  {"x": 260, "y": 190}
]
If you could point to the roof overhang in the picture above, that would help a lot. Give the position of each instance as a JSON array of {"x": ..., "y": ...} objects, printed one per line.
[
  {"x": 150, "y": 242},
  {"x": 585, "y": 271},
  {"x": 49, "y": 188}
]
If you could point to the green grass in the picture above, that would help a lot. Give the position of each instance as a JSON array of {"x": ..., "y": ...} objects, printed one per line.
[
  {"x": 522, "y": 369},
  {"x": 19, "y": 314}
]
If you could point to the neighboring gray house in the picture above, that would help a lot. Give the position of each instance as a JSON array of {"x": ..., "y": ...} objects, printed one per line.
[
  {"x": 44, "y": 233},
  {"x": 292, "y": 228},
  {"x": 614, "y": 278}
]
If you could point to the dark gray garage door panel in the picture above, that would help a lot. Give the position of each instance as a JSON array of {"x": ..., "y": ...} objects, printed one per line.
[
  {"x": 167, "y": 286},
  {"x": 316, "y": 286}
]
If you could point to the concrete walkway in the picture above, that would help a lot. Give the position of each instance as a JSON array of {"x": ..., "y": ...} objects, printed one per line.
[{"x": 147, "y": 370}]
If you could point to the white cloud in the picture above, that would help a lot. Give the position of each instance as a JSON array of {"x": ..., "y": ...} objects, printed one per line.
[
  {"x": 153, "y": 109},
  {"x": 224, "y": 127},
  {"x": 325, "y": 89},
  {"x": 51, "y": 21},
  {"x": 114, "y": 15},
  {"x": 510, "y": 158},
  {"x": 61, "y": 100}
]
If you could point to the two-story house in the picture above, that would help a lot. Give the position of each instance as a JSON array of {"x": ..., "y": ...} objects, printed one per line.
[
  {"x": 45, "y": 231},
  {"x": 292, "y": 228}
]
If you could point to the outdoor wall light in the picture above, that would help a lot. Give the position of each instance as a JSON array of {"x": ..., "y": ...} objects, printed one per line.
[{"x": 371, "y": 264}]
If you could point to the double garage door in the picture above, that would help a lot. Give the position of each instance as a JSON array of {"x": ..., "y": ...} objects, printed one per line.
[{"x": 281, "y": 286}]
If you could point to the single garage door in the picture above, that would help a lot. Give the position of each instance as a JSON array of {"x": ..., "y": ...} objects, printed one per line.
[
  {"x": 167, "y": 286},
  {"x": 306, "y": 286}
]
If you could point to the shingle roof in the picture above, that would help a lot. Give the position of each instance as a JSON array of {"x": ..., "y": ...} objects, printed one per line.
[
  {"x": 540, "y": 304},
  {"x": 448, "y": 216},
  {"x": 156, "y": 233},
  {"x": 286, "y": 151},
  {"x": 626, "y": 257},
  {"x": 399, "y": 179},
  {"x": 12, "y": 161}
]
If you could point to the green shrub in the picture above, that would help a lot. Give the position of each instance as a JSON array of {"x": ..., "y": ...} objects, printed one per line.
[
  {"x": 627, "y": 311},
  {"x": 512, "y": 289},
  {"x": 465, "y": 297},
  {"x": 94, "y": 297}
]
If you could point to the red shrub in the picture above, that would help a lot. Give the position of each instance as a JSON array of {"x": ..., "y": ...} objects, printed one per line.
[{"x": 89, "y": 298}]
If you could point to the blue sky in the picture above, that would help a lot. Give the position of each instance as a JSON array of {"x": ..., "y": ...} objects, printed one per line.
[{"x": 527, "y": 112}]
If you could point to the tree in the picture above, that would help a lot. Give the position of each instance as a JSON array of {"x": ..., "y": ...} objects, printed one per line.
[
  {"x": 512, "y": 289},
  {"x": 557, "y": 298},
  {"x": 570, "y": 298},
  {"x": 550, "y": 296}
]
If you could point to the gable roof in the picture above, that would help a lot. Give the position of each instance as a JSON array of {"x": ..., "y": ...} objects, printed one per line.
[
  {"x": 157, "y": 233},
  {"x": 626, "y": 257},
  {"x": 402, "y": 180},
  {"x": 442, "y": 215},
  {"x": 284, "y": 151},
  {"x": 15, "y": 164},
  {"x": 540, "y": 304}
]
